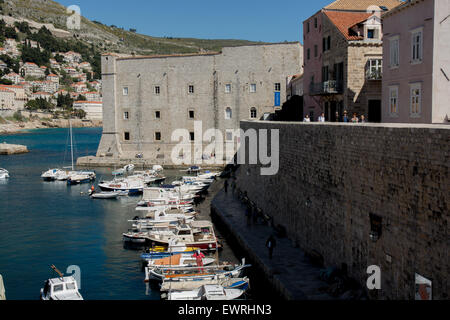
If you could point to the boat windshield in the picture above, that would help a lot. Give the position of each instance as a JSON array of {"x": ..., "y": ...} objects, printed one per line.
[
  {"x": 58, "y": 287},
  {"x": 70, "y": 286}
]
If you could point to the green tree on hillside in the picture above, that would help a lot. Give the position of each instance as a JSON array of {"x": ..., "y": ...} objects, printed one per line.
[{"x": 64, "y": 101}]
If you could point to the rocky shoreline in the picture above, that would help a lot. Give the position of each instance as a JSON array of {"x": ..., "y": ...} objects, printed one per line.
[{"x": 16, "y": 127}]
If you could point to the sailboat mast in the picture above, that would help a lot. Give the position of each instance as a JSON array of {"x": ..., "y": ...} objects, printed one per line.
[{"x": 71, "y": 142}]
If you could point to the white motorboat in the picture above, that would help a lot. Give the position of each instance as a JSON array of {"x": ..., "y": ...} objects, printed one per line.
[
  {"x": 140, "y": 233},
  {"x": 4, "y": 174},
  {"x": 52, "y": 174},
  {"x": 192, "y": 169},
  {"x": 165, "y": 214},
  {"x": 206, "y": 292},
  {"x": 104, "y": 195},
  {"x": 62, "y": 288},
  {"x": 198, "y": 234},
  {"x": 132, "y": 186},
  {"x": 165, "y": 196},
  {"x": 81, "y": 177},
  {"x": 230, "y": 283}
]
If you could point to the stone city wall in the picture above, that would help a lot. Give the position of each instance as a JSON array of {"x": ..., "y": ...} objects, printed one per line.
[{"x": 337, "y": 181}]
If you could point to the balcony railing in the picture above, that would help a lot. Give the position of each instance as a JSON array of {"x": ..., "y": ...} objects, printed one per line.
[
  {"x": 376, "y": 74},
  {"x": 325, "y": 88}
]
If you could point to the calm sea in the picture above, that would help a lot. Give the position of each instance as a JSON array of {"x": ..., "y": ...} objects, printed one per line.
[{"x": 45, "y": 223}]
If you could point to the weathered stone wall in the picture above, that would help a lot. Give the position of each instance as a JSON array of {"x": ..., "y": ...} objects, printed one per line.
[{"x": 333, "y": 176}]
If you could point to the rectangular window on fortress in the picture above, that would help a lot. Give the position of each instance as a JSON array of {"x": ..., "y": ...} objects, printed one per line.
[
  {"x": 308, "y": 54},
  {"x": 157, "y": 90},
  {"x": 316, "y": 50},
  {"x": 126, "y": 136},
  {"x": 158, "y": 136},
  {"x": 253, "y": 88},
  {"x": 307, "y": 27},
  {"x": 126, "y": 115},
  {"x": 191, "y": 114},
  {"x": 157, "y": 115},
  {"x": 228, "y": 88},
  {"x": 315, "y": 22},
  {"x": 125, "y": 91},
  {"x": 192, "y": 136},
  {"x": 191, "y": 89}
]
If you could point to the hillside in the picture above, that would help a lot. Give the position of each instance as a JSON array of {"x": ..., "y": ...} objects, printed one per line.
[{"x": 110, "y": 38}]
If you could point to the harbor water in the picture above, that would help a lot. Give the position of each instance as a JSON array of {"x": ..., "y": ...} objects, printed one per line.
[{"x": 45, "y": 223}]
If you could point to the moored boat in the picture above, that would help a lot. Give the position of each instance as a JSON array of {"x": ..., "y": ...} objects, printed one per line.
[
  {"x": 206, "y": 292},
  {"x": 62, "y": 288},
  {"x": 4, "y": 174}
]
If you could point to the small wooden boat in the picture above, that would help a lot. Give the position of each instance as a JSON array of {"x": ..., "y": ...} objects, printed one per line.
[
  {"x": 178, "y": 260},
  {"x": 206, "y": 292},
  {"x": 163, "y": 273},
  {"x": 62, "y": 288}
]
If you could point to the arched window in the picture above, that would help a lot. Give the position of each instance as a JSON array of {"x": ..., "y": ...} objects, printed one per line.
[
  {"x": 228, "y": 113},
  {"x": 253, "y": 113}
]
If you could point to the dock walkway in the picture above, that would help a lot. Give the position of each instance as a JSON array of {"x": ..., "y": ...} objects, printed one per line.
[{"x": 289, "y": 271}]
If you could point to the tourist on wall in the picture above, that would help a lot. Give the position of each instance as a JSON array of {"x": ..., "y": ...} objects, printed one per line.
[
  {"x": 307, "y": 119},
  {"x": 337, "y": 117},
  {"x": 355, "y": 118},
  {"x": 321, "y": 117},
  {"x": 363, "y": 119},
  {"x": 271, "y": 244},
  {"x": 345, "y": 117}
]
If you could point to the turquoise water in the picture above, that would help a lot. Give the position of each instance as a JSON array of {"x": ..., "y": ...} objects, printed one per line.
[{"x": 45, "y": 223}]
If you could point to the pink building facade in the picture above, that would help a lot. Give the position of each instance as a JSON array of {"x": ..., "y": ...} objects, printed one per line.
[
  {"x": 416, "y": 54},
  {"x": 312, "y": 57}
]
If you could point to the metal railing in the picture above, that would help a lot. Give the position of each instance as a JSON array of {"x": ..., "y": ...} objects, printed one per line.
[{"x": 326, "y": 87}]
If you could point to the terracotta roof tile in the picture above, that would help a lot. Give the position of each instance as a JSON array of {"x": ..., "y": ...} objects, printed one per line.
[
  {"x": 361, "y": 5},
  {"x": 344, "y": 20}
]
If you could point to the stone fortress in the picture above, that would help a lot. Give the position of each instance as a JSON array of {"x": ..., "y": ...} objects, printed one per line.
[{"x": 147, "y": 98}]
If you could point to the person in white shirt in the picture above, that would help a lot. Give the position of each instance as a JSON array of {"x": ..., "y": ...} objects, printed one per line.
[
  {"x": 306, "y": 119},
  {"x": 321, "y": 117}
]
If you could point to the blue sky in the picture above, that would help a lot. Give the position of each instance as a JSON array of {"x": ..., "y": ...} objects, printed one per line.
[{"x": 269, "y": 21}]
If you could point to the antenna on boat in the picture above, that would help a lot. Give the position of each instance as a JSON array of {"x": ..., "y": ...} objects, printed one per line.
[
  {"x": 71, "y": 142},
  {"x": 57, "y": 271}
]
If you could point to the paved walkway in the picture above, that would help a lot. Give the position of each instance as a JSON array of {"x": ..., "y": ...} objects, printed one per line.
[{"x": 289, "y": 271}]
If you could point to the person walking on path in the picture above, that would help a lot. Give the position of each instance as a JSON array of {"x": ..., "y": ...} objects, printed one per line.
[
  {"x": 225, "y": 186},
  {"x": 248, "y": 214},
  {"x": 199, "y": 259},
  {"x": 270, "y": 244}
]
